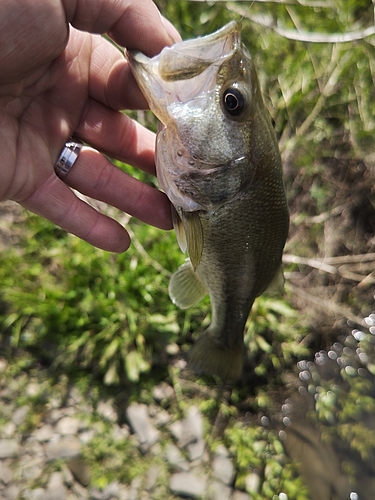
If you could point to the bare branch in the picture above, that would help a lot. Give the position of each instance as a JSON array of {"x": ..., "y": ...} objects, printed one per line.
[{"x": 304, "y": 36}]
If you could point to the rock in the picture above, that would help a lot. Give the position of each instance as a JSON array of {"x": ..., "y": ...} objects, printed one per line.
[
  {"x": 19, "y": 416},
  {"x": 140, "y": 424},
  {"x": 6, "y": 473},
  {"x": 80, "y": 470},
  {"x": 152, "y": 476},
  {"x": 240, "y": 495},
  {"x": 44, "y": 433},
  {"x": 8, "y": 430},
  {"x": 35, "y": 494},
  {"x": 12, "y": 492},
  {"x": 9, "y": 448},
  {"x": 187, "y": 484},
  {"x": 107, "y": 411},
  {"x": 196, "y": 450},
  {"x": 56, "y": 489},
  {"x": 65, "y": 447},
  {"x": 219, "y": 491},
  {"x": 190, "y": 429},
  {"x": 110, "y": 491},
  {"x": 175, "y": 459},
  {"x": 134, "y": 491},
  {"x": 162, "y": 392},
  {"x": 253, "y": 482},
  {"x": 222, "y": 466},
  {"x": 67, "y": 425}
]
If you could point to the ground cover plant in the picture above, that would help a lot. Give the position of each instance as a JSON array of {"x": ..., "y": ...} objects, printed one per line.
[{"x": 105, "y": 324}]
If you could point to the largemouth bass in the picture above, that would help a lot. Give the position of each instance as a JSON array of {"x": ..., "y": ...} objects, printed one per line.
[{"x": 218, "y": 161}]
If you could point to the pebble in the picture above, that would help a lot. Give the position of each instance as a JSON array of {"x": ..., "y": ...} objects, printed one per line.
[
  {"x": 218, "y": 491},
  {"x": 140, "y": 423},
  {"x": 65, "y": 447},
  {"x": 67, "y": 425},
  {"x": 9, "y": 448},
  {"x": 56, "y": 489},
  {"x": 6, "y": 473},
  {"x": 240, "y": 495},
  {"x": 175, "y": 458},
  {"x": 190, "y": 429},
  {"x": 187, "y": 484},
  {"x": 222, "y": 466}
]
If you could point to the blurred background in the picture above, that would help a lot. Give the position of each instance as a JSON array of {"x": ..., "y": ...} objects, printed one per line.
[{"x": 96, "y": 398}]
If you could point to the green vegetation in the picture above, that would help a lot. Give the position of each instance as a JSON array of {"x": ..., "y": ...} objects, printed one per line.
[{"x": 106, "y": 323}]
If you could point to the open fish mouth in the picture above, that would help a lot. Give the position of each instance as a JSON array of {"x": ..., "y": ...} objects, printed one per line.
[{"x": 163, "y": 77}]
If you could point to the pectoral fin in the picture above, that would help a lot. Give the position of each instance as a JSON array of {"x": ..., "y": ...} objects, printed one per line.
[
  {"x": 185, "y": 288},
  {"x": 189, "y": 233},
  {"x": 194, "y": 236},
  {"x": 179, "y": 230}
]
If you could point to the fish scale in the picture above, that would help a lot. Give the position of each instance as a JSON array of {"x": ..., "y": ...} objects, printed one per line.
[{"x": 218, "y": 161}]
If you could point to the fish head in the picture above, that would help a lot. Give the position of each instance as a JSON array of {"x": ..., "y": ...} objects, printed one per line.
[{"x": 206, "y": 94}]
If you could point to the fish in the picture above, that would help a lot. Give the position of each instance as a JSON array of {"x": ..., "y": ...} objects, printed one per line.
[{"x": 218, "y": 161}]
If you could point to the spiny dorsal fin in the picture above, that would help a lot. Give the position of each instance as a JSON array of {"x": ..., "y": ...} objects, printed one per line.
[
  {"x": 194, "y": 236},
  {"x": 185, "y": 287}
]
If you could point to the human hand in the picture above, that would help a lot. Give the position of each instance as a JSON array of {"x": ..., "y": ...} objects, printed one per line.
[{"x": 56, "y": 82}]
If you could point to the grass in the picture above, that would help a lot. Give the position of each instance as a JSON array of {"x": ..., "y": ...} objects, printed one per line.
[{"x": 105, "y": 322}]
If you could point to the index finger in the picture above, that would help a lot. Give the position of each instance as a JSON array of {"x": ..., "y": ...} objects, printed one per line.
[{"x": 135, "y": 24}]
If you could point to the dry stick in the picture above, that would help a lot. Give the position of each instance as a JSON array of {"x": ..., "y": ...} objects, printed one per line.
[
  {"x": 306, "y": 36},
  {"x": 326, "y": 305},
  {"x": 326, "y": 265},
  {"x": 305, "y": 3}
]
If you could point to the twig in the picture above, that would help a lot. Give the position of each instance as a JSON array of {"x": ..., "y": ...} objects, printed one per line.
[
  {"x": 307, "y": 36},
  {"x": 325, "y": 4},
  {"x": 326, "y": 305}
]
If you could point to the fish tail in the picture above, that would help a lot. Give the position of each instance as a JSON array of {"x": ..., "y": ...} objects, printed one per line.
[{"x": 208, "y": 356}]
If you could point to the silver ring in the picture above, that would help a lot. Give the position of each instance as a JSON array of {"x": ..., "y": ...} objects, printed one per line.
[{"x": 67, "y": 157}]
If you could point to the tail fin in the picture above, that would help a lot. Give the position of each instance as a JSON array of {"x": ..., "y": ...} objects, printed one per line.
[{"x": 208, "y": 357}]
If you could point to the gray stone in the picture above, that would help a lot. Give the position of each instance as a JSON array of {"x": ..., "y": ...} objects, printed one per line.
[
  {"x": 110, "y": 491},
  {"x": 196, "y": 450},
  {"x": 152, "y": 477},
  {"x": 56, "y": 489},
  {"x": 175, "y": 459},
  {"x": 219, "y": 491},
  {"x": 65, "y": 447},
  {"x": 8, "y": 430},
  {"x": 107, "y": 410},
  {"x": 187, "y": 484},
  {"x": 12, "y": 492},
  {"x": 6, "y": 473},
  {"x": 79, "y": 491},
  {"x": 35, "y": 494},
  {"x": 190, "y": 429},
  {"x": 223, "y": 469},
  {"x": 80, "y": 470},
  {"x": 9, "y": 448},
  {"x": 19, "y": 416},
  {"x": 31, "y": 467},
  {"x": 163, "y": 392},
  {"x": 240, "y": 495},
  {"x": 253, "y": 482},
  {"x": 134, "y": 491},
  {"x": 140, "y": 423},
  {"x": 44, "y": 433},
  {"x": 67, "y": 425}
]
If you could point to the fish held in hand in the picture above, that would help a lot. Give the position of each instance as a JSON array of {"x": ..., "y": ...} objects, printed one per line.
[{"x": 218, "y": 161}]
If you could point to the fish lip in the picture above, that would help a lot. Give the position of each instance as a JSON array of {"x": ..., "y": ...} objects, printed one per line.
[{"x": 162, "y": 77}]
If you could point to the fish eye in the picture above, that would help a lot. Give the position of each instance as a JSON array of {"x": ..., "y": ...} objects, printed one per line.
[{"x": 233, "y": 101}]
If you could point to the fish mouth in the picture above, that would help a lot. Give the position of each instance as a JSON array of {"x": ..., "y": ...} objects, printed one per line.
[{"x": 163, "y": 78}]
